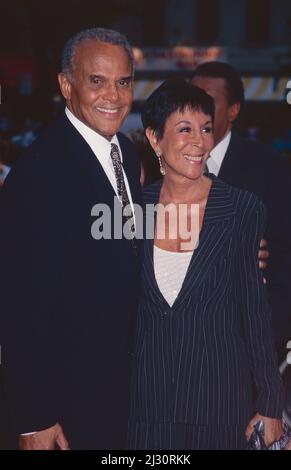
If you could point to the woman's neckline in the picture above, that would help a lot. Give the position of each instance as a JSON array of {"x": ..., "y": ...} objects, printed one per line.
[{"x": 173, "y": 252}]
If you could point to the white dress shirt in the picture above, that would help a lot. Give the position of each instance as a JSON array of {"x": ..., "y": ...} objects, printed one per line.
[
  {"x": 101, "y": 148},
  {"x": 217, "y": 154}
]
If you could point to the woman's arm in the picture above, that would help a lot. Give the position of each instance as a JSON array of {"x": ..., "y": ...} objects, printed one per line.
[{"x": 257, "y": 321}]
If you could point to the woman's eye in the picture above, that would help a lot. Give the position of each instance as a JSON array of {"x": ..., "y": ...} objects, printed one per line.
[
  {"x": 185, "y": 129},
  {"x": 207, "y": 130}
]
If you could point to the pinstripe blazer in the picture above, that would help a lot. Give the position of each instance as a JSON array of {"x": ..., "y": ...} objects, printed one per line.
[{"x": 195, "y": 362}]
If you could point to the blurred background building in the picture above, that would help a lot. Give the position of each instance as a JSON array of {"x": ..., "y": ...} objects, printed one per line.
[{"x": 170, "y": 38}]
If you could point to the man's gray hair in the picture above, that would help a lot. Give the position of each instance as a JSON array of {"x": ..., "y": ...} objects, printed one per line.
[{"x": 99, "y": 34}]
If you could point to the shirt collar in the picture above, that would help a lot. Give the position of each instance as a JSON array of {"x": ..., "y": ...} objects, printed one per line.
[
  {"x": 217, "y": 154},
  {"x": 100, "y": 146}
]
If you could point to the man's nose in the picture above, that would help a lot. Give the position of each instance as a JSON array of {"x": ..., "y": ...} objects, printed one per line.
[{"x": 111, "y": 92}]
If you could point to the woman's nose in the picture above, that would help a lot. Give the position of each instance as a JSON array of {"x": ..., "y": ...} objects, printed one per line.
[{"x": 196, "y": 139}]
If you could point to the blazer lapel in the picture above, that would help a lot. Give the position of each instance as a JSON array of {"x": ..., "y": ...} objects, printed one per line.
[
  {"x": 150, "y": 198},
  {"x": 214, "y": 237}
]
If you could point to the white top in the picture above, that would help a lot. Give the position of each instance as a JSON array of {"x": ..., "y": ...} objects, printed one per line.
[
  {"x": 170, "y": 271},
  {"x": 101, "y": 148},
  {"x": 217, "y": 154}
]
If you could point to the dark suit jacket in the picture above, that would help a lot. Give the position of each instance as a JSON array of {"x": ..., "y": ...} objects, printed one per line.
[
  {"x": 257, "y": 168},
  {"x": 195, "y": 361},
  {"x": 67, "y": 301}
]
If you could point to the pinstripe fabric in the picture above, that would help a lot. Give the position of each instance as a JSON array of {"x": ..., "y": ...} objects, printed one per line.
[{"x": 195, "y": 362}]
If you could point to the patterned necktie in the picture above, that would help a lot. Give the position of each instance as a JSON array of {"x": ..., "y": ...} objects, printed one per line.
[{"x": 121, "y": 188}]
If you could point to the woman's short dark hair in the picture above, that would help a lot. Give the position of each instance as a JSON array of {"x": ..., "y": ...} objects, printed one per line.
[{"x": 171, "y": 96}]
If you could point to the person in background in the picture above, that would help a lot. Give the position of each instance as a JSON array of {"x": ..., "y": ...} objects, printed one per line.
[
  {"x": 150, "y": 170},
  {"x": 204, "y": 334},
  {"x": 258, "y": 168},
  {"x": 69, "y": 299}
]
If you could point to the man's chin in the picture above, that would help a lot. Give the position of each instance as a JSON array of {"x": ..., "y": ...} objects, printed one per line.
[{"x": 109, "y": 132}]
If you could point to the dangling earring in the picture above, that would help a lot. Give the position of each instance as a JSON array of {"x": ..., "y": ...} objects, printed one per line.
[{"x": 162, "y": 169}]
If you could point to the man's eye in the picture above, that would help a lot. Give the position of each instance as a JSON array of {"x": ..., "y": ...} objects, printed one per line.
[
  {"x": 124, "y": 83},
  {"x": 95, "y": 80}
]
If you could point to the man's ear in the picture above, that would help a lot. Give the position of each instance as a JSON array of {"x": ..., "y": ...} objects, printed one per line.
[
  {"x": 151, "y": 135},
  {"x": 65, "y": 86},
  {"x": 233, "y": 111}
]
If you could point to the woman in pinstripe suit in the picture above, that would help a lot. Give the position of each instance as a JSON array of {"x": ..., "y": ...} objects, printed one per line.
[{"x": 204, "y": 342}]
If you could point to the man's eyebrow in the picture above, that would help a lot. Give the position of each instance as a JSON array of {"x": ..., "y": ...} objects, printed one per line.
[
  {"x": 97, "y": 75},
  {"x": 129, "y": 77}
]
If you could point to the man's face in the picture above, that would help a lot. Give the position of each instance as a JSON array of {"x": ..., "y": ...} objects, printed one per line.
[
  {"x": 99, "y": 93},
  {"x": 225, "y": 114}
]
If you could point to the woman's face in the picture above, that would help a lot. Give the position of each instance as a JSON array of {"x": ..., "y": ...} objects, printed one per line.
[{"x": 186, "y": 143}]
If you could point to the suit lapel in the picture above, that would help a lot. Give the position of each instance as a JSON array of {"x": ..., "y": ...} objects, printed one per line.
[
  {"x": 130, "y": 167},
  {"x": 86, "y": 163}
]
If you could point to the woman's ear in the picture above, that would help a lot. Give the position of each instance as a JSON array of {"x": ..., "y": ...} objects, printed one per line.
[{"x": 151, "y": 135}]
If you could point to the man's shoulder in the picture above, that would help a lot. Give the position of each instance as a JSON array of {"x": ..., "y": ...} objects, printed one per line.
[
  {"x": 52, "y": 136},
  {"x": 254, "y": 149},
  {"x": 151, "y": 193},
  {"x": 43, "y": 156},
  {"x": 124, "y": 140},
  {"x": 130, "y": 154},
  {"x": 126, "y": 144}
]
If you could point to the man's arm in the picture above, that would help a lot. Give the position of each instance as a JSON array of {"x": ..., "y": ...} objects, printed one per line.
[
  {"x": 256, "y": 315},
  {"x": 263, "y": 254},
  {"x": 29, "y": 279},
  {"x": 48, "y": 439}
]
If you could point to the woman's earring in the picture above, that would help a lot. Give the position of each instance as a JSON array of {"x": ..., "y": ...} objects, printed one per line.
[{"x": 162, "y": 169}]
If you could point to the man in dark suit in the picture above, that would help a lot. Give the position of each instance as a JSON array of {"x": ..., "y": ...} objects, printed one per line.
[
  {"x": 257, "y": 168},
  {"x": 68, "y": 296}
]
